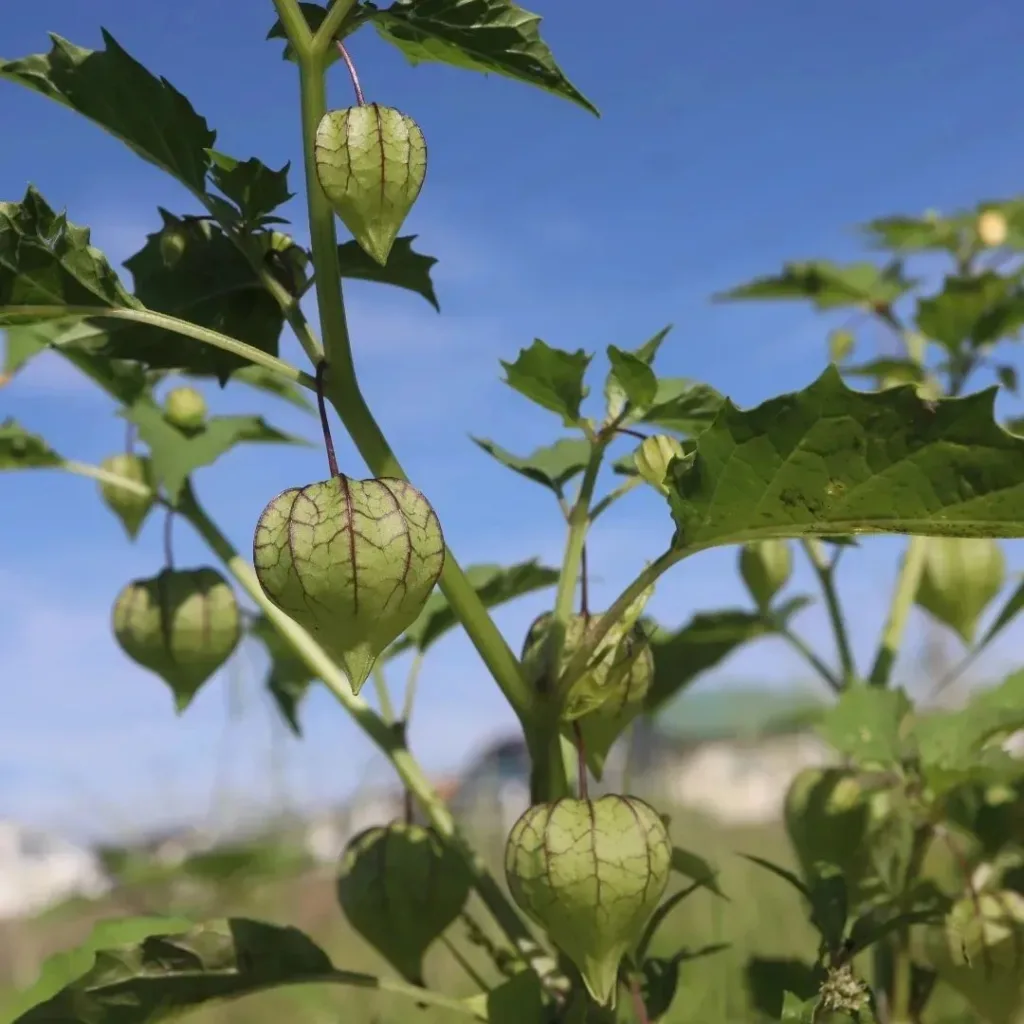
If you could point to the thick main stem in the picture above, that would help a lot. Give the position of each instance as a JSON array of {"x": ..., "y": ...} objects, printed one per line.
[{"x": 348, "y": 400}]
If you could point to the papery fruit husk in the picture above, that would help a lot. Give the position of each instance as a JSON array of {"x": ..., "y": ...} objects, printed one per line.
[
  {"x": 352, "y": 561},
  {"x": 400, "y": 888},
  {"x": 591, "y": 873},
  {"x": 765, "y": 566},
  {"x": 183, "y": 625},
  {"x": 131, "y": 508}
]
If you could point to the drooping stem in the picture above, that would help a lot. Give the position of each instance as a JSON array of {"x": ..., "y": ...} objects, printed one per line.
[
  {"x": 467, "y": 967},
  {"x": 899, "y": 611},
  {"x": 169, "y": 538},
  {"x": 825, "y": 571},
  {"x": 332, "y": 460},
  {"x": 639, "y": 1009},
  {"x": 581, "y": 761},
  {"x": 352, "y": 74},
  {"x": 631, "y": 433}
]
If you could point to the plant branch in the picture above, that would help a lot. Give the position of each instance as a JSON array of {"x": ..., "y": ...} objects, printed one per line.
[
  {"x": 899, "y": 611},
  {"x": 804, "y": 650},
  {"x": 105, "y": 476},
  {"x": 613, "y": 496},
  {"x": 825, "y": 571},
  {"x": 410, "y": 686},
  {"x": 348, "y": 400},
  {"x": 336, "y": 15},
  {"x": 380, "y": 687},
  {"x": 171, "y": 323}
]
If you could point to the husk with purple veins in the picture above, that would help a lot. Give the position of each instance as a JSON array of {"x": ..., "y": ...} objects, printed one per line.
[
  {"x": 591, "y": 873},
  {"x": 400, "y": 888},
  {"x": 182, "y": 624},
  {"x": 352, "y": 561}
]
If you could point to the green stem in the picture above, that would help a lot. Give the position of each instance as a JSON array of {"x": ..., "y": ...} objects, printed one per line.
[
  {"x": 899, "y": 611},
  {"x": 343, "y": 387},
  {"x": 826, "y": 578},
  {"x": 104, "y": 476},
  {"x": 385, "y": 737},
  {"x": 805, "y": 651},
  {"x": 410, "y": 686},
  {"x": 612, "y": 496},
  {"x": 380, "y": 687},
  {"x": 173, "y": 324}
]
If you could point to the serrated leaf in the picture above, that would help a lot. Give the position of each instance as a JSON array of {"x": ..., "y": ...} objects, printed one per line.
[
  {"x": 865, "y": 724},
  {"x": 111, "y": 88},
  {"x": 46, "y": 260},
  {"x": 166, "y": 975},
  {"x": 961, "y": 577},
  {"x": 827, "y": 285},
  {"x": 552, "y": 466},
  {"x": 633, "y": 375},
  {"x": 927, "y": 233},
  {"x": 20, "y": 449},
  {"x": 683, "y": 406},
  {"x": 955, "y": 747},
  {"x": 288, "y": 678},
  {"x": 494, "y": 585},
  {"x": 975, "y": 310},
  {"x": 682, "y": 655},
  {"x": 262, "y": 379},
  {"x": 648, "y": 351},
  {"x": 829, "y": 460},
  {"x": 481, "y": 35},
  {"x": 175, "y": 454},
  {"x": 404, "y": 268},
  {"x": 251, "y": 185},
  {"x": 551, "y": 377}
]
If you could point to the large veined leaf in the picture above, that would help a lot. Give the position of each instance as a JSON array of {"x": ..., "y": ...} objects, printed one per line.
[{"x": 830, "y": 460}]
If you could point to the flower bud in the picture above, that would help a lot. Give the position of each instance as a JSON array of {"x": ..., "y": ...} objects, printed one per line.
[
  {"x": 765, "y": 566},
  {"x": 591, "y": 873},
  {"x": 183, "y": 625},
  {"x": 130, "y": 507},
  {"x": 652, "y": 459},
  {"x": 992, "y": 228},
  {"x": 185, "y": 408},
  {"x": 371, "y": 162},
  {"x": 352, "y": 561},
  {"x": 400, "y": 888}
]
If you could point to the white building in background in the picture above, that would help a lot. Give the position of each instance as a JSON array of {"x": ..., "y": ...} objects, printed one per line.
[{"x": 38, "y": 870}]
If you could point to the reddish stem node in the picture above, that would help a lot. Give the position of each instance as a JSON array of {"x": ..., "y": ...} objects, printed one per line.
[{"x": 352, "y": 73}]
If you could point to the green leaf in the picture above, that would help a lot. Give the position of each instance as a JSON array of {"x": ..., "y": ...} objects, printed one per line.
[
  {"x": 798, "y": 1011},
  {"x": 45, "y": 260},
  {"x": 252, "y": 186},
  {"x": 21, "y": 450},
  {"x": 262, "y": 379},
  {"x": 648, "y": 351},
  {"x": 829, "y": 460},
  {"x": 516, "y": 1001},
  {"x": 1010, "y": 610},
  {"x": 481, "y": 35},
  {"x": 961, "y": 577},
  {"x": 494, "y": 585},
  {"x": 926, "y": 904},
  {"x": 551, "y": 377},
  {"x": 111, "y": 88},
  {"x": 827, "y": 285},
  {"x": 553, "y": 465},
  {"x": 888, "y": 371},
  {"x": 691, "y": 865},
  {"x": 708, "y": 638},
  {"x": 683, "y": 406},
  {"x": 659, "y": 916},
  {"x": 65, "y": 968},
  {"x": 1008, "y": 377},
  {"x": 659, "y": 978},
  {"x": 288, "y": 678},
  {"x": 974, "y": 310},
  {"x": 928, "y": 233},
  {"x": 166, "y": 975},
  {"x": 175, "y": 454},
  {"x": 865, "y": 724},
  {"x": 21, "y": 346},
  {"x": 768, "y": 980},
  {"x": 955, "y": 747},
  {"x": 404, "y": 268},
  {"x": 633, "y": 375},
  {"x": 784, "y": 873}
]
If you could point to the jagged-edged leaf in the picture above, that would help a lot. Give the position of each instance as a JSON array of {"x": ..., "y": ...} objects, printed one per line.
[
  {"x": 930, "y": 232},
  {"x": 160, "y": 976},
  {"x": 956, "y": 746},
  {"x": 827, "y": 285},
  {"x": 262, "y": 379},
  {"x": 865, "y": 724},
  {"x": 483, "y": 35},
  {"x": 683, "y": 405},
  {"x": 633, "y": 376},
  {"x": 255, "y": 189},
  {"x": 46, "y": 260},
  {"x": 972, "y": 310},
  {"x": 111, "y": 88},
  {"x": 648, "y": 351},
  {"x": 551, "y": 377},
  {"x": 553, "y": 465},
  {"x": 831, "y": 460},
  {"x": 288, "y": 678},
  {"x": 20, "y": 449},
  {"x": 405, "y": 267},
  {"x": 494, "y": 585},
  {"x": 175, "y": 454}
]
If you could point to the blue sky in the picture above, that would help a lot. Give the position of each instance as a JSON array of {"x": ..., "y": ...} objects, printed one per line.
[{"x": 732, "y": 138}]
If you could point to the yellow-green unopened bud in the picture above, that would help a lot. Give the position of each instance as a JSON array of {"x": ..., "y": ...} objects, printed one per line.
[
  {"x": 653, "y": 457},
  {"x": 992, "y": 228},
  {"x": 185, "y": 408}
]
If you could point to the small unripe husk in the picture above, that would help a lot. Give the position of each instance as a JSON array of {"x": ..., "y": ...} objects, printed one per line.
[
  {"x": 400, "y": 888},
  {"x": 591, "y": 873},
  {"x": 130, "y": 507},
  {"x": 182, "y": 624},
  {"x": 352, "y": 561},
  {"x": 765, "y": 566},
  {"x": 185, "y": 408}
]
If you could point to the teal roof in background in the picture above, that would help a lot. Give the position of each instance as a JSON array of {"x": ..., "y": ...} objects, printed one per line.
[{"x": 739, "y": 712}]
